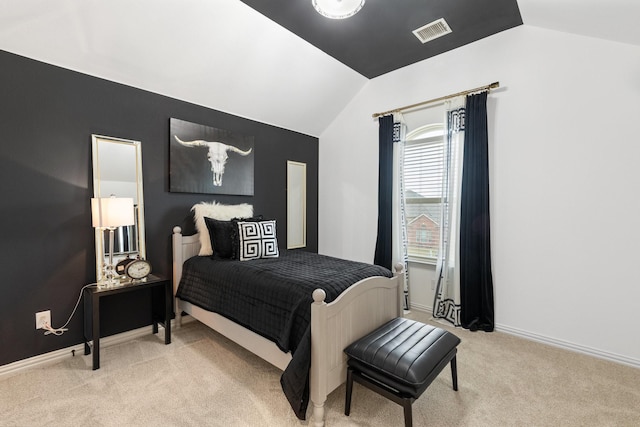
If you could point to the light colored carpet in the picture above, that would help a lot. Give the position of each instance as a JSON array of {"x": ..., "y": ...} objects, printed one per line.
[{"x": 203, "y": 379}]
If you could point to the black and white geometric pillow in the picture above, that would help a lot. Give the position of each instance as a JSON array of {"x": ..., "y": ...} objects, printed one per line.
[{"x": 257, "y": 240}]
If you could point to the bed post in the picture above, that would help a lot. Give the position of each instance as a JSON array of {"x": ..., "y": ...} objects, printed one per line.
[
  {"x": 319, "y": 362},
  {"x": 177, "y": 271}
]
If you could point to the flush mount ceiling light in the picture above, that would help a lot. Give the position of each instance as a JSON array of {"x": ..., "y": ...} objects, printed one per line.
[{"x": 337, "y": 9}]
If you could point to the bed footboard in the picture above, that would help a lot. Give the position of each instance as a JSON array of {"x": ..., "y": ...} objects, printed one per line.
[{"x": 359, "y": 310}]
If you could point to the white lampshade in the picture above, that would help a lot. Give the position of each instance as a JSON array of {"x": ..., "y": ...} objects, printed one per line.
[
  {"x": 337, "y": 9},
  {"x": 112, "y": 212}
]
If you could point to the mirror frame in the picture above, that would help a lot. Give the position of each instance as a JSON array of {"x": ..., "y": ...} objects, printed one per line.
[
  {"x": 96, "y": 140},
  {"x": 296, "y": 205}
]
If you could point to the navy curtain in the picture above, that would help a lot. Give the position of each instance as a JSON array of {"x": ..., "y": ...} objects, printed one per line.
[
  {"x": 384, "y": 245},
  {"x": 476, "y": 282}
]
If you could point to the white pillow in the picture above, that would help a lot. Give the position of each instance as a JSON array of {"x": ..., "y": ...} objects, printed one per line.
[
  {"x": 217, "y": 211},
  {"x": 257, "y": 240}
]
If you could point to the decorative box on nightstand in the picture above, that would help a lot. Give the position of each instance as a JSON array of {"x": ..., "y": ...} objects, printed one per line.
[{"x": 160, "y": 289}]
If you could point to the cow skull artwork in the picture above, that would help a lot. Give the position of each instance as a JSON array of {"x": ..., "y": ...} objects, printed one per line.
[{"x": 217, "y": 155}]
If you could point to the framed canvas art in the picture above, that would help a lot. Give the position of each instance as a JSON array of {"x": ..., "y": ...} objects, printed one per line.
[{"x": 209, "y": 160}]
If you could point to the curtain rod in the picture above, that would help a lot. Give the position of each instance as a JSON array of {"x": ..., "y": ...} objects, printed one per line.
[{"x": 442, "y": 98}]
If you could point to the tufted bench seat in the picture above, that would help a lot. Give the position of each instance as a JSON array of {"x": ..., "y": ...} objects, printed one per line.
[{"x": 399, "y": 360}]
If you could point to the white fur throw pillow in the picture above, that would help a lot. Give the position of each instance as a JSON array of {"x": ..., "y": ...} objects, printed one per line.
[{"x": 217, "y": 211}]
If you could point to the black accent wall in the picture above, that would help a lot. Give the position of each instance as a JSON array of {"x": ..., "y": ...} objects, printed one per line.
[{"x": 47, "y": 116}]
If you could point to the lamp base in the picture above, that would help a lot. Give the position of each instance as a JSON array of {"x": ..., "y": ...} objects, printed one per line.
[{"x": 109, "y": 279}]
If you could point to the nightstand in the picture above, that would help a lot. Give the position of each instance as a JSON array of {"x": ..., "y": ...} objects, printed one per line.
[{"x": 160, "y": 288}]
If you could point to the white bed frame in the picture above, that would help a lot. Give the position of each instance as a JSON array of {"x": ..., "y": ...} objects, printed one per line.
[{"x": 357, "y": 311}]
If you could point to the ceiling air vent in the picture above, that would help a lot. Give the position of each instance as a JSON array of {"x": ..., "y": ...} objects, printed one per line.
[{"x": 432, "y": 31}]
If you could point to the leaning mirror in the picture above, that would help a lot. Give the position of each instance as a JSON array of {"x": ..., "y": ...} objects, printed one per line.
[
  {"x": 117, "y": 171},
  {"x": 296, "y": 205}
]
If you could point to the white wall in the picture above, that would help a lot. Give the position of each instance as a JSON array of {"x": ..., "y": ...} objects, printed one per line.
[{"x": 564, "y": 183}]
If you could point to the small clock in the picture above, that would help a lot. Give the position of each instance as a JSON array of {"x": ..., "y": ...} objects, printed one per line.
[
  {"x": 138, "y": 269},
  {"x": 122, "y": 265}
]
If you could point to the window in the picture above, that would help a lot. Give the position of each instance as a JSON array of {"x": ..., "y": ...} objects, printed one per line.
[
  {"x": 423, "y": 159},
  {"x": 422, "y": 236}
]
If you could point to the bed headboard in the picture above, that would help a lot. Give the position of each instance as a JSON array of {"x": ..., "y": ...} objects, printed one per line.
[{"x": 183, "y": 248}]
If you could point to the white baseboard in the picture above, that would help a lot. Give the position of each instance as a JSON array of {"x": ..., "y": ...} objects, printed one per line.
[
  {"x": 57, "y": 355},
  {"x": 613, "y": 357},
  {"x": 420, "y": 307},
  {"x": 76, "y": 350}
]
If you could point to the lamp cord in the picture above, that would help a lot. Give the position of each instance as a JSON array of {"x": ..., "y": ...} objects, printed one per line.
[{"x": 48, "y": 329}]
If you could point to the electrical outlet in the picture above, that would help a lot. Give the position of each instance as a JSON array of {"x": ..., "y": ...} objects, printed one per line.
[{"x": 42, "y": 318}]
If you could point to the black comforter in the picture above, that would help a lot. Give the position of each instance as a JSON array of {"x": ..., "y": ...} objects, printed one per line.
[{"x": 272, "y": 297}]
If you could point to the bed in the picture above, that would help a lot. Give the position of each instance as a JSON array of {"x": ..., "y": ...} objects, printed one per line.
[{"x": 356, "y": 311}]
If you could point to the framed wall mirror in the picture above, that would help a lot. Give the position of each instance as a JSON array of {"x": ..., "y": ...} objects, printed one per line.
[
  {"x": 296, "y": 205},
  {"x": 117, "y": 170}
]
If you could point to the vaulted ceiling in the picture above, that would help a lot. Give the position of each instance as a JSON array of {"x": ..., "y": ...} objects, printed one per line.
[
  {"x": 275, "y": 61},
  {"x": 379, "y": 38}
]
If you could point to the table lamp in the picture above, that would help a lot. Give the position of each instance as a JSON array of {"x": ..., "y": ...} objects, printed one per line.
[{"x": 109, "y": 213}]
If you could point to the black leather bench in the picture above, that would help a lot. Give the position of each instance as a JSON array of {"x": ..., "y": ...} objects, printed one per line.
[{"x": 399, "y": 360}]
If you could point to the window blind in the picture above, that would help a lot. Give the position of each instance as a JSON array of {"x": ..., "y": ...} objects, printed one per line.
[{"x": 423, "y": 165}]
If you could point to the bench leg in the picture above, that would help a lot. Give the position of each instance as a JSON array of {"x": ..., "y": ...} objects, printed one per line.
[
  {"x": 408, "y": 417},
  {"x": 347, "y": 402},
  {"x": 454, "y": 373}
]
